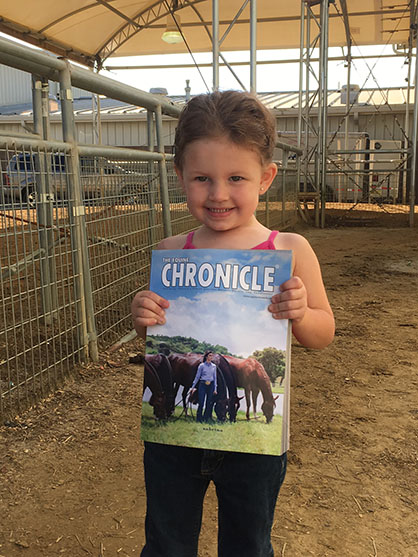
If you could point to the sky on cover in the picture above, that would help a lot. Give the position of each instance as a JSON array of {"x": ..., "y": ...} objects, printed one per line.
[{"x": 238, "y": 320}]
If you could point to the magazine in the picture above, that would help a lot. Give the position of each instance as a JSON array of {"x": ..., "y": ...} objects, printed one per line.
[{"x": 217, "y": 373}]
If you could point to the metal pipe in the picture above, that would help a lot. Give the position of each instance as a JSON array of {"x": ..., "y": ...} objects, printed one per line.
[
  {"x": 33, "y": 61},
  {"x": 42, "y": 198},
  {"x": 301, "y": 50},
  {"x": 19, "y": 134},
  {"x": 228, "y": 65},
  {"x": 285, "y": 158},
  {"x": 47, "y": 201},
  {"x": 234, "y": 20},
  {"x": 259, "y": 63},
  {"x": 151, "y": 192},
  {"x": 366, "y": 151},
  {"x": 165, "y": 200},
  {"x": 150, "y": 130},
  {"x": 323, "y": 86},
  {"x": 253, "y": 46},
  {"x": 289, "y": 147},
  {"x": 116, "y": 153},
  {"x": 347, "y": 105},
  {"x": 82, "y": 278},
  {"x": 300, "y": 96},
  {"x": 120, "y": 153},
  {"x": 407, "y": 140},
  {"x": 215, "y": 44},
  {"x": 414, "y": 136}
]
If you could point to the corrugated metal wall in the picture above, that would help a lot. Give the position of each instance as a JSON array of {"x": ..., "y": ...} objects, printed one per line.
[{"x": 15, "y": 87}]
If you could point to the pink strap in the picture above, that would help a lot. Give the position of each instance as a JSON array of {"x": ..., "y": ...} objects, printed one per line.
[
  {"x": 189, "y": 241},
  {"x": 272, "y": 237}
]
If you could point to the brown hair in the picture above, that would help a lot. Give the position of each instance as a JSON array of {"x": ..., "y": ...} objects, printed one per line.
[{"x": 239, "y": 116}]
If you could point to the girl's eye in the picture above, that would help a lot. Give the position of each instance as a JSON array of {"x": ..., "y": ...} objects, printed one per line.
[
  {"x": 236, "y": 178},
  {"x": 201, "y": 178}
]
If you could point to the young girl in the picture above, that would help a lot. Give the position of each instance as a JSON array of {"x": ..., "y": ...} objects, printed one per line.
[{"x": 223, "y": 157}]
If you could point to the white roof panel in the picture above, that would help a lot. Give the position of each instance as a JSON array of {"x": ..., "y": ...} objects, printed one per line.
[{"x": 89, "y": 30}]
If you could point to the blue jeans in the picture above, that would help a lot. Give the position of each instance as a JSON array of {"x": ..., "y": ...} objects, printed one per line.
[
  {"x": 176, "y": 480},
  {"x": 205, "y": 392}
]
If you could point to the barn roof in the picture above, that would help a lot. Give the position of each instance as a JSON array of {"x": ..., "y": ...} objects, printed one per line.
[{"x": 389, "y": 96}]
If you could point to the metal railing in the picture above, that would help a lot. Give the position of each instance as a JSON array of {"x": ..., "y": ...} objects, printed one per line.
[{"x": 77, "y": 226}]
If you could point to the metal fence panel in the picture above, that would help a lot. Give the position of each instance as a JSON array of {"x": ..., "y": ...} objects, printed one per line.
[{"x": 38, "y": 336}]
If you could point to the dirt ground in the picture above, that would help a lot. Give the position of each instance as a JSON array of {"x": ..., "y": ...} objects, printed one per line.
[{"x": 71, "y": 469}]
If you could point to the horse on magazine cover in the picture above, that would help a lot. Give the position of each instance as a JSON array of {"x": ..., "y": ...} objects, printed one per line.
[
  {"x": 159, "y": 379},
  {"x": 252, "y": 377}
]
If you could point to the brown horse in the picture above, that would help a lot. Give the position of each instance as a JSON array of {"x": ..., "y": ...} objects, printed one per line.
[
  {"x": 184, "y": 368},
  {"x": 252, "y": 377},
  {"x": 158, "y": 379}
]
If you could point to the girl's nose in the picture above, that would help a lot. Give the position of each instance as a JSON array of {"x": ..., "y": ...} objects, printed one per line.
[{"x": 218, "y": 191}]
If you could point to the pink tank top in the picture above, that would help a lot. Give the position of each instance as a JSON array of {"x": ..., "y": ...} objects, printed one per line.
[{"x": 268, "y": 244}]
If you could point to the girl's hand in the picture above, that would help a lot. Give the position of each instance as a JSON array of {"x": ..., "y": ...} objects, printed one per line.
[
  {"x": 292, "y": 302},
  {"x": 148, "y": 309}
]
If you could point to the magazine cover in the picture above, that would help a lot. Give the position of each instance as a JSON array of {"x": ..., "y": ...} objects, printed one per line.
[{"x": 217, "y": 373}]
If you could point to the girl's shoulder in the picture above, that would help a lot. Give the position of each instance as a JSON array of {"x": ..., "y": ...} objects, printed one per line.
[
  {"x": 304, "y": 257},
  {"x": 173, "y": 242},
  {"x": 290, "y": 241}
]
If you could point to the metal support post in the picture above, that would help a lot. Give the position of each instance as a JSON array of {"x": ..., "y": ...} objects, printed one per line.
[
  {"x": 307, "y": 107},
  {"x": 253, "y": 46},
  {"x": 323, "y": 101},
  {"x": 81, "y": 266},
  {"x": 346, "y": 178},
  {"x": 50, "y": 197},
  {"x": 165, "y": 201},
  {"x": 414, "y": 137},
  {"x": 308, "y": 178},
  {"x": 151, "y": 191},
  {"x": 215, "y": 43},
  {"x": 285, "y": 158},
  {"x": 300, "y": 101},
  {"x": 96, "y": 112},
  {"x": 267, "y": 207},
  {"x": 44, "y": 196},
  {"x": 407, "y": 140}
]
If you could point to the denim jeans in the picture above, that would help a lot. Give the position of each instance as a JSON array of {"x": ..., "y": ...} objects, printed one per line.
[
  {"x": 205, "y": 392},
  {"x": 176, "y": 480}
]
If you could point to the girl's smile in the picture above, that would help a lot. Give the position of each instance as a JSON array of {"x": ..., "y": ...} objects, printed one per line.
[{"x": 223, "y": 181}]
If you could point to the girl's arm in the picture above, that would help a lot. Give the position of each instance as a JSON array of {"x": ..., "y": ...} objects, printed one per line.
[{"x": 303, "y": 298}]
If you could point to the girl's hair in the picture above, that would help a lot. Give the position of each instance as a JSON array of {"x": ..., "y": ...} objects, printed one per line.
[
  {"x": 241, "y": 117},
  {"x": 206, "y": 354}
]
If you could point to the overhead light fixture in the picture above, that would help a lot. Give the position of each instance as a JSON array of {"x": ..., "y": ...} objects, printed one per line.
[{"x": 172, "y": 34}]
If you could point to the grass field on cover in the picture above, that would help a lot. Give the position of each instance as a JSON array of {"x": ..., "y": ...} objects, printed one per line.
[{"x": 253, "y": 436}]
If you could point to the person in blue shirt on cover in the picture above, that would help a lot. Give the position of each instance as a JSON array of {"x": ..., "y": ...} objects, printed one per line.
[{"x": 207, "y": 387}]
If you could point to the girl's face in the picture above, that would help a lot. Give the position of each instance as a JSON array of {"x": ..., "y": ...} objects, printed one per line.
[{"x": 223, "y": 181}]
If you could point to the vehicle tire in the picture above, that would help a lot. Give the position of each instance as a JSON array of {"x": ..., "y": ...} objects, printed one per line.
[{"x": 29, "y": 197}]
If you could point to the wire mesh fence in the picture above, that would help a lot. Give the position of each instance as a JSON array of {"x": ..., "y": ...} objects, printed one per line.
[
  {"x": 39, "y": 343},
  {"x": 45, "y": 329}
]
